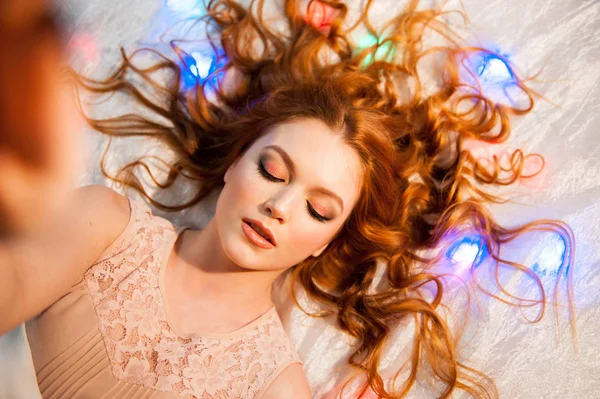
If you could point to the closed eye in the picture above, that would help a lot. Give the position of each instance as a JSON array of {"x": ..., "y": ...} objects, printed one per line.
[
  {"x": 314, "y": 214},
  {"x": 267, "y": 175}
]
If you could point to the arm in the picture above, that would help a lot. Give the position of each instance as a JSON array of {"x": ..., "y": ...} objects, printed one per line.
[
  {"x": 40, "y": 269},
  {"x": 289, "y": 384}
]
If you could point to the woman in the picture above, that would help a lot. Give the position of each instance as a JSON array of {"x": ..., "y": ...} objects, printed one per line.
[{"x": 327, "y": 167}]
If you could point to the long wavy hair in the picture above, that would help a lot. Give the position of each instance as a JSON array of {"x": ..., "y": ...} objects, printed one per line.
[{"x": 419, "y": 181}]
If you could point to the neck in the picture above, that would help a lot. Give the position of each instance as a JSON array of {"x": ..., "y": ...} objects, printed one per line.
[{"x": 220, "y": 280}]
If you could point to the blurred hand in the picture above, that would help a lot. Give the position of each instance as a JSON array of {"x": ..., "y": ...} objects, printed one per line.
[{"x": 39, "y": 128}]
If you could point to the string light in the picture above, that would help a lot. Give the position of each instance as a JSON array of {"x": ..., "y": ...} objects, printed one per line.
[
  {"x": 198, "y": 66},
  {"x": 467, "y": 252},
  {"x": 385, "y": 50},
  {"x": 189, "y": 71},
  {"x": 493, "y": 70},
  {"x": 551, "y": 256},
  {"x": 203, "y": 64},
  {"x": 320, "y": 15}
]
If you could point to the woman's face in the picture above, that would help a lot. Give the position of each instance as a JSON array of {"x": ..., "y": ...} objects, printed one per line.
[{"x": 301, "y": 181}]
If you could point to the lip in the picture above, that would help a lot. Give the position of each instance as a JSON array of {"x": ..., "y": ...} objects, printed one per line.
[{"x": 256, "y": 238}]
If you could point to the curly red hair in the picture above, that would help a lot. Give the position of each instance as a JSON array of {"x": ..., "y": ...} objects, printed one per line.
[{"x": 419, "y": 182}]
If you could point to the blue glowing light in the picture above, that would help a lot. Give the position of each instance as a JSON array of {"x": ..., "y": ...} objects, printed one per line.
[
  {"x": 467, "y": 252},
  {"x": 204, "y": 64},
  {"x": 189, "y": 71},
  {"x": 551, "y": 256},
  {"x": 202, "y": 68},
  {"x": 493, "y": 70},
  {"x": 197, "y": 67},
  {"x": 182, "y": 5}
]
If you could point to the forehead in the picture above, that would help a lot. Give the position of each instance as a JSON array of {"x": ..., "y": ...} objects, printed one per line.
[{"x": 321, "y": 156}]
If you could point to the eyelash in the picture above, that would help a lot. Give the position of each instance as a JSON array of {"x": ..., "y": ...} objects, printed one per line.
[{"x": 263, "y": 172}]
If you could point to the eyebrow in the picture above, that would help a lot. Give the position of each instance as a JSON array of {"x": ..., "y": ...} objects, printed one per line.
[{"x": 290, "y": 165}]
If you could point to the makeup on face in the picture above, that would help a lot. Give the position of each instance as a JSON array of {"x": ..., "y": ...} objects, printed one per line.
[
  {"x": 276, "y": 165},
  {"x": 257, "y": 234},
  {"x": 293, "y": 175}
]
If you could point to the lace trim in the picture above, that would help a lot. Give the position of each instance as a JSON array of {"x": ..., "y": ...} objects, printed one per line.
[{"x": 142, "y": 347}]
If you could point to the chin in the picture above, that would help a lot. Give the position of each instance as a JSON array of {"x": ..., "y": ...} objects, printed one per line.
[
  {"x": 242, "y": 254},
  {"x": 239, "y": 252}
]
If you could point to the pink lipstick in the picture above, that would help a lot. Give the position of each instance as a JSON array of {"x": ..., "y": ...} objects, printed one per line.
[{"x": 258, "y": 234}]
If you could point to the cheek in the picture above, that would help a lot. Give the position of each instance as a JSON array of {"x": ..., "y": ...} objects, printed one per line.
[
  {"x": 246, "y": 187},
  {"x": 307, "y": 240},
  {"x": 306, "y": 237},
  {"x": 242, "y": 191}
]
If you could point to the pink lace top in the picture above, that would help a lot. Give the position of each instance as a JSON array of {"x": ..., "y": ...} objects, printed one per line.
[{"x": 126, "y": 291}]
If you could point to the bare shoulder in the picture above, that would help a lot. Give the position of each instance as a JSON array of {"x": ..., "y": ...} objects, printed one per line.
[
  {"x": 101, "y": 215},
  {"x": 291, "y": 383},
  {"x": 46, "y": 265},
  {"x": 101, "y": 201}
]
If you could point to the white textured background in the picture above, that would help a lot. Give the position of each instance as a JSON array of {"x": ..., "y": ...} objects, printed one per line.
[{"x": 527, "y": 361}]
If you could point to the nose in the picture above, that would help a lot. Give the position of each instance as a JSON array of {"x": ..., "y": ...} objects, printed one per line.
[{"x": 279, "y": 205}]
